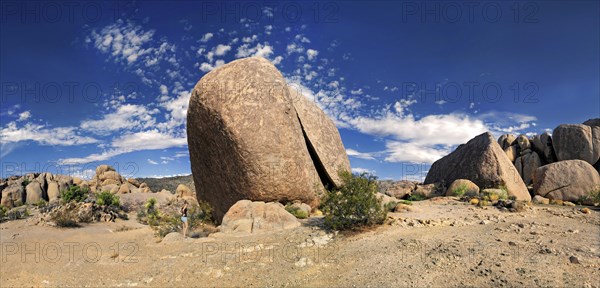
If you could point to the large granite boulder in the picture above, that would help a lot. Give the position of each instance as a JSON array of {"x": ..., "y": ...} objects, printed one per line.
[
  {"x": 461, "y": 187},
  {"x": 506, "y": 140},
  {"x": 253, "y": 217},
  {"x": 482, "y": 161},
  {"x": 526, "y": 166},
  {"x": 34, "y": 193},
  {"x": 569, "y": 180},
  {"x": 13, "y": 196},
  {"x": 245, "y": 139},
  {"x": 322, "y": 137},
  {"x": 592, "y": 122},
  {"x": 577, "y": 141},
  {"x": 401, "y": 189},
  {"x": 53, "y": 191}
]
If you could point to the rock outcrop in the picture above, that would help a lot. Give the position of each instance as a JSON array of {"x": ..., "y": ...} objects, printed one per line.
[
  {"x": 253, "y": 217},
  {"x": 577, "y": 141},
  {"x": 569, "y": 180},
  {"x": 322, "y": 138},
  {"x": 482, "y": 161},
  {"x": 246, "y": 140}
]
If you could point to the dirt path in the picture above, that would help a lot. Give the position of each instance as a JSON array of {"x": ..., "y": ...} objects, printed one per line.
[{"x": 443, "y": 243}]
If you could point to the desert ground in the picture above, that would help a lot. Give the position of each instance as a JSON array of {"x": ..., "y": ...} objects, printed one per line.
[{"x": 440, "y": 243}]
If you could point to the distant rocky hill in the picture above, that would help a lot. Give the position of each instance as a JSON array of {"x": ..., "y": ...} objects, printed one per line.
[{"x": 169, "y": 183}]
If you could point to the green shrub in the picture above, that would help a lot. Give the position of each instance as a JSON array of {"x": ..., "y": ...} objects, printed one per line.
[
  {"x": 460, "y": 190},
  {"x": 390, "y": 206},
  {"x": 18, "y": 213},
  {"x": 3, "y": 211},
  {"x": 74, "y": 193},
  {"x": 25, "y": 182},
  {"x": 64, "y": 218},
  {"x": 198, "y": 215},
  {"x": 405, "y": 202},
  {"x": 41, "y": 203},
  {"x": 296, "y": 211},
  {"x": 354, "y": 204},
  {"x": 108, "y": 199},
  {"x": 416, "y": 197}
]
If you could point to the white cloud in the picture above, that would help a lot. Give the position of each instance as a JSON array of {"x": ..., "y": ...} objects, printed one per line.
[
  {"x": 263, "y": 50},
  {"x": 359, "y": 91},
  {"x": 60, "y": 136},
  {"x": 311, "y": 54},
  {"x": 294, "y": 48},
  {"x": 152, "y": 162},
  {"x": 124, "y": 41},
  {"x": 413, "y": 152},
  {"x": 206, "y": 37},
  {"x": 361, "y": 155},
  {"x": 24, "y": 116},
  {"x": 126, "y": 117},
  {"x": 221, "y": 49},
  {"x": 148, "y": 140},
  {"x": 359, "y": 170}
]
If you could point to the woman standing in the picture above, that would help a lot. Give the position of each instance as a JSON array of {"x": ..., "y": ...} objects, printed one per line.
[{"x": 184, "y": 218}]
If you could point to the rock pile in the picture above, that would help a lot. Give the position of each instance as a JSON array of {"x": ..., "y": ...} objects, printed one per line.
[
  {"x": 564, "y": 165},
  {"x": 482, "y": 161},
  {"x": 34, "y": 187},
  {"x": 251, "y": 137}
]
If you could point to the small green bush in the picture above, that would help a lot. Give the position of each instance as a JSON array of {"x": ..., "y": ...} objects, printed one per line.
[
  {"x": 198, "y": 215},
  {"x": 460, "y": 190},
  {"x": 354, "y": 204},
  {"x": 41, "y": 203},
  {"x": 390, "y": 206},
  {"x": 74, "y": 193},
  {"x": 3, "y": 211},
  {"x": 108, "y": 199},
  {"x": 416, "y": 197},
  {"x": 25, "y": 182},
  {"x": 406, "y": 202},
  {"x": 296, "y": 211},
  {"x": 64, "y": 218}
]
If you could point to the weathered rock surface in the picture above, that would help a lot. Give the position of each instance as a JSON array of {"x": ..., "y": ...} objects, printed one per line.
[
  {"x": 482, "y": 161},
  {"x": 592, "y": 122},
  {"x": 322, "y": 137},
  {"x": 245, "y": 139},
  {"x": 401, "y": 189},
  {"x": 34, "y": 193},
  {"x": 464, "y": 185},
  {"x": 526, "y": 166},
  {"x": 577, "y": 141},
  {"x": 569, "y": 180},
  {"x": 506, "y": 140},
  {"x": 253, "y": 217},
  {"x": 12, "y": 196},
  {"x": 53, "y": 191}
]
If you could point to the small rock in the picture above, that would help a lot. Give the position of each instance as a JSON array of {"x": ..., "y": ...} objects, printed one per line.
[
  {"x": 484, "y": 222},
  {"x": 567, "y": 203},
  {"x": 585, "y": 211},
  {"x": 573, "y": 260},
  {"x": 511, "y": 243}
]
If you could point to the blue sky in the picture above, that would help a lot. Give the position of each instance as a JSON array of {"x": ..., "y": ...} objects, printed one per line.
[{"x": 404, "y": 81}]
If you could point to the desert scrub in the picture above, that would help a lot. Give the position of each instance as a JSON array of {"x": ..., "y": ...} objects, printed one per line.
[
  {"x": 416, "y": 197},
  {"x": 41, "y": 203},
  {"x": 74, "y": 193},
  {"x": 64, "y": 218},
  {"x": 18, "y": 213},
  {"x": 107, "y": 199},
  {"x": 390, "y": 206},
  {"x": 3, "y": 211},
  {"x": 296, "y": 211},
  {"x": 460, "y": 190},
  {"x": 354, "y": 204},
  {"x": 199, "y": 215}
]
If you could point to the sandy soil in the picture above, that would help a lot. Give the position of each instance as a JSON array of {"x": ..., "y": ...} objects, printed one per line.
[{"x": 443, "y": 243}]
